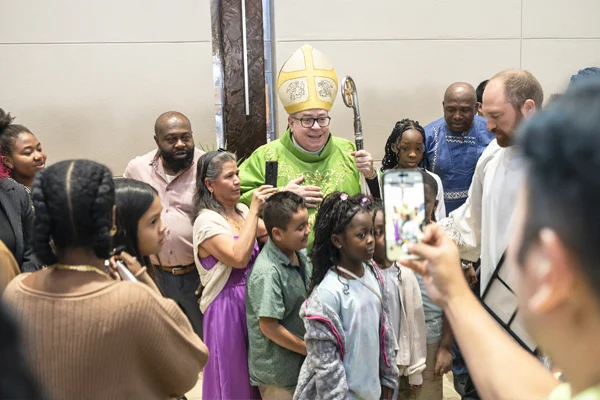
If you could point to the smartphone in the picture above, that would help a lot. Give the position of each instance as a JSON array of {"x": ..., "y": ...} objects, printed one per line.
[
  {"x": 404, "y": 210},
  {"x": 271, "y": 173}
]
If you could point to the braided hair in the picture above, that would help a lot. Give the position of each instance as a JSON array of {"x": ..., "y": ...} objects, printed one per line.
[
  {"x": 74, "y": 202},
  {"x": 390, "y": 160},
  {"x": 335, "y": 214}
]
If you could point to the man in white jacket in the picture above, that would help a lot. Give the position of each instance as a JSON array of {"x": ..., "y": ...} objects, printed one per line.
[{"x": 482, "y": 225}]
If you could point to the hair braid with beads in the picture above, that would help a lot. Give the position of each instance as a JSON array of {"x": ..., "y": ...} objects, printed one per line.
[
  {"x": 390, "y": 159},
  {"x": 335, "y": 214},
  {"x": 74, "y": 203}
]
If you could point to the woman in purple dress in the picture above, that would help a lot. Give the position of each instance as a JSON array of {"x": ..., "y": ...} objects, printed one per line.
[{"x": 225, "y": 234}]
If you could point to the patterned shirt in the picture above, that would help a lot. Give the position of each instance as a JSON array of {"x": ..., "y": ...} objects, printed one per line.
[
  {"x": 453, "y": 157},
  {"x": 276, "y": 288}
]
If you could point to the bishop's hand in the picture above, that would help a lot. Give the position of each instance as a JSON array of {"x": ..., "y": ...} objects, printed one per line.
[{"x": 312, "y": 195}]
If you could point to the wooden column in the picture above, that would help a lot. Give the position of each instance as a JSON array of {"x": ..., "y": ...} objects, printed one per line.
[{"x": 242, "y": 131}]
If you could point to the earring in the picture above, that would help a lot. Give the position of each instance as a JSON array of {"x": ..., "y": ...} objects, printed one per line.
[{"x": 113, "y": 230}]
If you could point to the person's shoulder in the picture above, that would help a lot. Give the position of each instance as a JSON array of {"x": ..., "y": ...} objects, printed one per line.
[
  {"x": 17, "y": 192},
  {"x": 136, "y": 295},
  {"x": 481, "y": 127},
  {"x": 430, "y": 126},
  {"x": 261, "y": 151},
  {"x": 207, "y": 217},
  {"x": 7, "y": 184},
  {"x": 263, "y": 267},
  {"x": 343, "y": 144},
  {"x": 435, "y": 176},
  {"x": 490, "y": 151},
  {"x": 140, "y": 162}
]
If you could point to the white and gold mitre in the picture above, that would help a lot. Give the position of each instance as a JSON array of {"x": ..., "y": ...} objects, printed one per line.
[{"x": 307, "y": 80}]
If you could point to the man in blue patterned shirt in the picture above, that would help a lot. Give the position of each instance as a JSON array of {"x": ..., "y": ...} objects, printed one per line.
[{"x": 455, "y": 142}]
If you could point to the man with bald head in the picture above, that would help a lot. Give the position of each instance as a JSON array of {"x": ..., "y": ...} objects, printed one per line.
[
  {"x": 455, "y": 142},
  {"x": 171, "y": 170}
]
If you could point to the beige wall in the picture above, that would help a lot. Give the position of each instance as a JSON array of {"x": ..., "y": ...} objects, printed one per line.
[
  {"x": 89, "y": 78},
  {"x": 403, "y": 54}
]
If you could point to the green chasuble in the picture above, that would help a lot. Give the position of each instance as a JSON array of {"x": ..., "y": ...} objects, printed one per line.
[{"x": 334, "y": 169}]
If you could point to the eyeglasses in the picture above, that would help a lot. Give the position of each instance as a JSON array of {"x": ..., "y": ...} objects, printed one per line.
[{"x": 310, "y": 122}]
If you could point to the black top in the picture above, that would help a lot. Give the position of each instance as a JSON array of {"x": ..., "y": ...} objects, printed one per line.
[
  {"x": 17, "y": 209},
  {"x": 7, "y": 235}
]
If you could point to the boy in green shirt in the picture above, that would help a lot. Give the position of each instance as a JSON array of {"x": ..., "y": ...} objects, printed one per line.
[{"x": 275, "y": 291}]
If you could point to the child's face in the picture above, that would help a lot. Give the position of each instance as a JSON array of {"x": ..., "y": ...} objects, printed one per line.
[
  {"x": 357, "y": 242},
  {"x": 429, "y": 203},
  {"x": 379, "y": 233},
  {"x": 295, "y": 237},
  {"x": 410, "y": 149}
]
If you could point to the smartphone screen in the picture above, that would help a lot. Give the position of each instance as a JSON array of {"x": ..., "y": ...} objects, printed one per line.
[
  {"x": 404, "y": 208},
  {"x": 271, "y": 172}
]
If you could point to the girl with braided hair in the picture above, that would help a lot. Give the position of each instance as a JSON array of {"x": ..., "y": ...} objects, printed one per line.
[
  {"x": 349, "y": 340},
  {"x": 404, "y": 149},
  {"x": 88, "y": 334}
]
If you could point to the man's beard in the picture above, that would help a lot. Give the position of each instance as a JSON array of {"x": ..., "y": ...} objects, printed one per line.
[
  {"x": 177, "y": 164},
  {"x": 506, "y": 139}
]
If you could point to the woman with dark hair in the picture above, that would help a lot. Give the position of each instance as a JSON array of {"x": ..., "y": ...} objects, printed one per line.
[
  {"x": 16, "y": 214},
  {"x": 88, "y": 335},
  {"x": 21, "y": 152},
  {"x": 139, "y": 225},
  {"x": 225, "y": 248}
]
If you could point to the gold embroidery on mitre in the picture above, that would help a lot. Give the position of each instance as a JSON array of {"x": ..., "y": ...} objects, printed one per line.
[{"x": 307, "y": 80}]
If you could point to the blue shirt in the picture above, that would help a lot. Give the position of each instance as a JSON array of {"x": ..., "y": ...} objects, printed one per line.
[
  {"x": 433, "y": 315},
  {"x": 453, "y": 157},
  {"x": 360, "y": 312}
]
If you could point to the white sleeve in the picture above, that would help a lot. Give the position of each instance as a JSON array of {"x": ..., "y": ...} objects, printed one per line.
[
  {"x": 464, "y": 224},
  {"x": 440, "y": 211}
]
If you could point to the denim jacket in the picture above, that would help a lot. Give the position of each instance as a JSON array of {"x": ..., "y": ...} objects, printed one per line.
[{"x": 323, "y": 375}]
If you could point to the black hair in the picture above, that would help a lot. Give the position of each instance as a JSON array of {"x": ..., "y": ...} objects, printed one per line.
[
  {"x": 74, "y": 202},
  {"x": 210, "y": 165},
  {"x": 375, "y": 206},
  {"x": 390, "y": 159},
  {"x": 279, "y": 210},
  {"x": 9, "y": 132},
  {"x": 480, "y": 89},
  {"x": 132, "y": 198},
  {"x": 335, "y": 214},
  {"x": 562, "y": 192}
]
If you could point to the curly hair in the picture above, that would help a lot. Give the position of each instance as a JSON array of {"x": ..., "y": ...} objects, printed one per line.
[
  {"x": 335, "y": 214},
  {"x": 390, "y": 159},
  {"x": 74, "y": 202}
]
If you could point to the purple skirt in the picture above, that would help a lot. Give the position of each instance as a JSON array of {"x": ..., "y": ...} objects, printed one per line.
[{"x": 226, "y": 375}]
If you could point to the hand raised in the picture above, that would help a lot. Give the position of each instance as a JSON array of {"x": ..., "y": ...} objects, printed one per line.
[{"x": 312, "y": 195}]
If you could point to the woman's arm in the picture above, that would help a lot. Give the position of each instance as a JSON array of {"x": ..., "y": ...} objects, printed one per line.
[{"x": 235, "y": 253}]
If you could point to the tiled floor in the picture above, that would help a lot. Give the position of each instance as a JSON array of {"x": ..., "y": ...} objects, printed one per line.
[{"x": 449, "y": 393}]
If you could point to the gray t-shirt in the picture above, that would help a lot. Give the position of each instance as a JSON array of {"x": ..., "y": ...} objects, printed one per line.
[{"x": 360, "y": 313}]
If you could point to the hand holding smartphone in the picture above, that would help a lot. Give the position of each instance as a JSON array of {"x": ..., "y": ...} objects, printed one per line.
[{"x": 404, "y": 209}]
